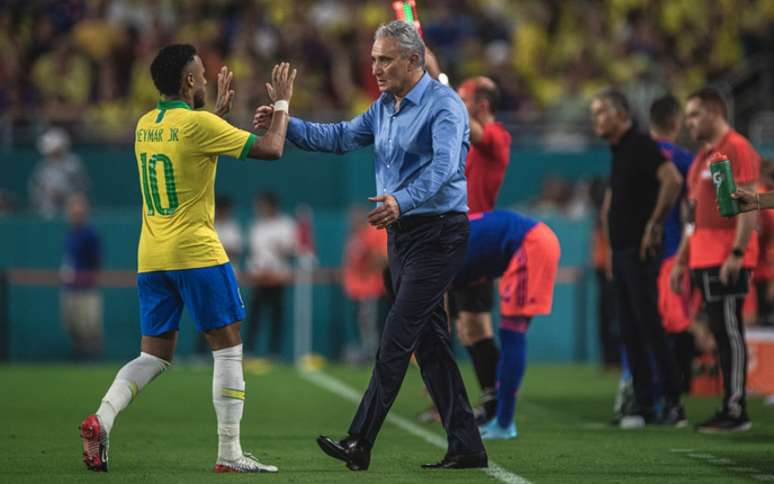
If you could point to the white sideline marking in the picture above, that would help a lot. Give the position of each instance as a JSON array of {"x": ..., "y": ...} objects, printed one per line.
[
  {"x": 745, "y": 470},
  {"x": 336, "y": 386},
  {"x": 701, "y": 456},
  {"x": 721, "y": 461}
]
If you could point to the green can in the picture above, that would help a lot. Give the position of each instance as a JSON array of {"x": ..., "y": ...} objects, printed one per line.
[{"x": 723, "y": 179}]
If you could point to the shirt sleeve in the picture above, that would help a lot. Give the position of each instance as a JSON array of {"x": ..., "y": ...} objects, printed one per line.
[
  {"x": 448, "y": 131},
  {"x": 650, "y": 156},
  {"x": 487, "y": 143},
  {"x": 333, "y": 137},
  {"x": 745, "y": 163},
  {"x": 214, "y": 136}
]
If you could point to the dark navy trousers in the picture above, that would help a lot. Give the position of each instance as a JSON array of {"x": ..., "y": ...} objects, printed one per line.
[{"x": 425, "y": 253}]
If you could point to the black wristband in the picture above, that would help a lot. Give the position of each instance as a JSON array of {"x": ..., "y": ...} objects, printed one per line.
[{"x": 737, "y": 252}]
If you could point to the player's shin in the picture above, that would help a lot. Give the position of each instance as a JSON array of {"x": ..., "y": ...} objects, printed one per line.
[
  {"x": 228, "y": 397},
  {"x": 511, "y": 367},
  {"x": 485, "y": 355},
  {"x": 129, "y": 381}
]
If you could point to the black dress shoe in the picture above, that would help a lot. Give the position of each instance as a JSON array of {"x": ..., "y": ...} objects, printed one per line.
[
  {"x": 463, "y": 461},
  {"x": 350, "y": 450}
]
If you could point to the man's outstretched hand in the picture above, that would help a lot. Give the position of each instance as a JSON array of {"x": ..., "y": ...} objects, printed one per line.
[{"x": 748, "y": 201}]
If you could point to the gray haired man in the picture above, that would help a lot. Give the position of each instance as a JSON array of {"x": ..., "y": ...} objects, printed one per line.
[{"x": 419, "y": 129}]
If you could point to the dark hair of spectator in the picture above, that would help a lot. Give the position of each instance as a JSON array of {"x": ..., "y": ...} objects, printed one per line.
[
  {"x": 491, "y": 94},
  {"x": 224, "y": 203},
  {"x": 617, "y": 100},
  {"x": 711, "y": 97},
  {"x": 167, "y": 67},
  {"x": 664, "y": 112},
  {"x": 269, "y": 199}
]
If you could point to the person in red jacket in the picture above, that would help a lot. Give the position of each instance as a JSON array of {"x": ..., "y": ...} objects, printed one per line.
[
  {"x": 471, "y": 306},
  {"x": 722, "y": 251}
]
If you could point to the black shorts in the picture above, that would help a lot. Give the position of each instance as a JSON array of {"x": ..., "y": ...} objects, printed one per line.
[
  {"x": 474, "y": 299},
  {"x": 708, "y": 282}
]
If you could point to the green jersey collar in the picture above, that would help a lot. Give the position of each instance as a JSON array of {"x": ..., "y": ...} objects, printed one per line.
[{"x": 173, "y": 104}]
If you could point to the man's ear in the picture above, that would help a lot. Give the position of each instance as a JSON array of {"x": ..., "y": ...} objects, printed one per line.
[
  {"x": 189, "y": 80},
  {"x": 413, "y": 61}
]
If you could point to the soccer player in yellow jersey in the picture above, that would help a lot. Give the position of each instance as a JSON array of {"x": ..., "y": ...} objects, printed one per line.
[{"x": 181, "y": 261}]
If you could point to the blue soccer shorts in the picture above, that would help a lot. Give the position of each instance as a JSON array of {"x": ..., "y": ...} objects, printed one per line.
[{"x": 211, "y": 295}]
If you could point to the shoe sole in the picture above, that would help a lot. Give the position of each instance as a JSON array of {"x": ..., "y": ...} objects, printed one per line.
[
  {"x": 331, "y": 451},
  {"x": 712, "y": 430},
  {"x": 224, "y": 469}
]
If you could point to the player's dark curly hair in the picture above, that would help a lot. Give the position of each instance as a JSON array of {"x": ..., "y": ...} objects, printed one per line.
[
  {"x": 167, "y": 67},
  {"x": 664, "y": 112}
]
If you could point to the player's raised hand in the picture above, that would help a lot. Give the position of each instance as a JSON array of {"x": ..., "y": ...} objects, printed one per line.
[
  {"x": 262, "y": 117},
  {"x": 281, "y": 86},
  {"x": 225, "y": 94}
]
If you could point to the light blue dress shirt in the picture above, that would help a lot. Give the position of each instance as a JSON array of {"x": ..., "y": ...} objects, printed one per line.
[{"x": 420, "y": 150}]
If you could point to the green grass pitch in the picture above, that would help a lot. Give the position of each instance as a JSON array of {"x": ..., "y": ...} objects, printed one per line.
[{"x": 168, "y": 434}]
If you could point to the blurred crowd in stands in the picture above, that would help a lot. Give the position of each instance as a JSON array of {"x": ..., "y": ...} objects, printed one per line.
[{"x": 87, "y": 60}]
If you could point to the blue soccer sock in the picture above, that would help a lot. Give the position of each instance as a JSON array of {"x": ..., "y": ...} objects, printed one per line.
[
  {"x": 626, "y": 372},
  {"x": 511, "y": 367}
]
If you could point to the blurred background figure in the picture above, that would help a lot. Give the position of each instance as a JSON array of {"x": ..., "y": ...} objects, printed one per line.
[
  {"x": 763, "y": 274},
  {"x": 365, "y": 257},
  {"x": 643, "y": 188},
  {"x": 7, "y": 203},
  {"x": 273, "y": 246},
  {"x": 229, "y": 231},
  {"x": 607, "y": 323},
  {"x": 230, "y": 234},
  {"x": 666, "y": 122},
  {"x": 57, "y": 176},
  {"x": 81, "y": 299},
  {"x": 490, "y": 150}
]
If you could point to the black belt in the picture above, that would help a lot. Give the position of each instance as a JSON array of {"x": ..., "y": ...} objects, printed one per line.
[{"x": 410, "y": 222}]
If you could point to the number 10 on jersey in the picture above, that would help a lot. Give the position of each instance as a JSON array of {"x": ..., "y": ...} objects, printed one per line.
[{"x": 150, "y": 184}]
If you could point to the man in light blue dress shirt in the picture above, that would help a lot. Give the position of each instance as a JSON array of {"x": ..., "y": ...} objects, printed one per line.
[{"x": 420, "y": 133}]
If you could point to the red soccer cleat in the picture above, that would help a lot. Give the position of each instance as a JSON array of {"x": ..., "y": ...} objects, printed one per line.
[{"x": 95, "y": 444}]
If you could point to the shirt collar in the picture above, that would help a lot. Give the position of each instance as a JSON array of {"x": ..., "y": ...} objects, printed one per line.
[
  {"x": 625, "y": 137},
  {"x": 708, "y": 150},
  {"x": 416, "y": 92},
  {"x": 176, "y": 103}
]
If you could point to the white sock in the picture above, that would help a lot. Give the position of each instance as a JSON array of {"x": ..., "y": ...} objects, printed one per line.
[
  {"x": 131, "y": 378},
  {"x": 228, "y": 397}
]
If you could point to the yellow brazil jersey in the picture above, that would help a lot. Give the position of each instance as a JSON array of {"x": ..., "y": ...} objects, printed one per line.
[{"x": 177, "y": 151}]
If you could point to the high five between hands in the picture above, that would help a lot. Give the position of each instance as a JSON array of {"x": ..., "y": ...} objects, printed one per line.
[
  {"x": 380, "y": 217},
  {"x": 279, "y": 89}
]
